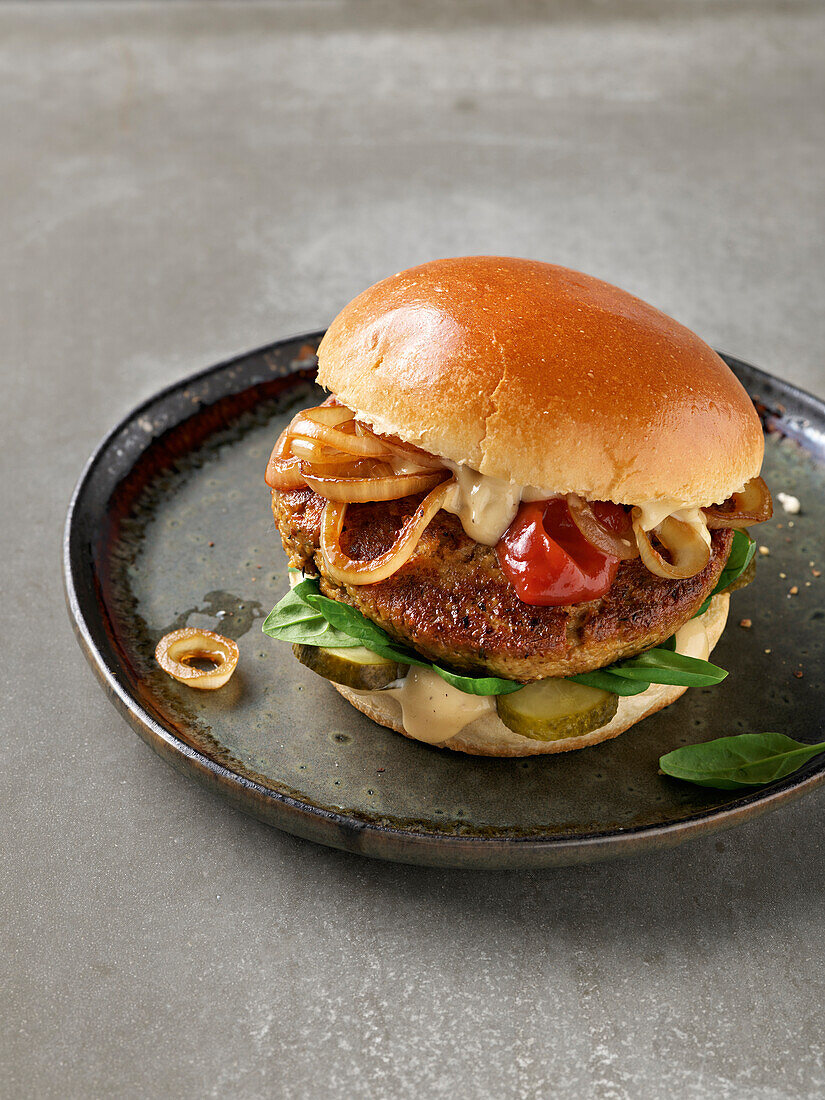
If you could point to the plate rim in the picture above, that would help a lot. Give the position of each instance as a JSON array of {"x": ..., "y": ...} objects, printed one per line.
[{"x": 352, "y": 831}]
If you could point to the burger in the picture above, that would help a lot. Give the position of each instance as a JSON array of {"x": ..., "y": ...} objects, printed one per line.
[{"x": 514, "y": 524}]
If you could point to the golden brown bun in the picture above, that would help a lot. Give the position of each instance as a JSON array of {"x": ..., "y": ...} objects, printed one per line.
[
  {"x": 545, "y": 377},
  {"x": 488, "y": 736}
]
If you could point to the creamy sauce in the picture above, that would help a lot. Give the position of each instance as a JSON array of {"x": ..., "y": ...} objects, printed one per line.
[
  {"x": 433, "y": 710},
  {"x": 655, "y": 511},
  {"x": 485, "y": 505},
  {"x": 692, "y": 639}
]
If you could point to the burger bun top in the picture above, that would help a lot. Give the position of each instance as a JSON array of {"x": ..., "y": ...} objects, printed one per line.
[{"x": 544, "y": 377}]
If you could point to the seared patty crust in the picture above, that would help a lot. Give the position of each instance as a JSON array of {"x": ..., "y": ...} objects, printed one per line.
[{"x": 453, "y": 604}]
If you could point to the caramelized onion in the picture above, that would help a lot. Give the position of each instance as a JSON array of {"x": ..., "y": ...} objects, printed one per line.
[
  {"x": 752, "y": 505},
  {"x": 311, "y": 425},
  {"x": 347, "y": 468},
  {"x": 346, "y": 462},
  {"x": 283, "y": 472},
  {"x": 359, "y": 489},
  {"x": 346, "y": 570},
  {"x": 688, "y": 551},
  {"x": 406, "y": 451},
  {"x": 310, "y": 450},
  {"x": 320, "y": 461},
  {"x": 331, "y": 415},
  {"x": 174, "y": 652},
  {"x": 605, "y": 540}
]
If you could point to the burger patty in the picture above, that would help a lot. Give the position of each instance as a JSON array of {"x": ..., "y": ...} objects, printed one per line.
[{"x": 453, "y": 604}]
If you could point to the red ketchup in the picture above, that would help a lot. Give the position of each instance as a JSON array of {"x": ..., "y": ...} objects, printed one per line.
[{"x": 548, "y": 560}]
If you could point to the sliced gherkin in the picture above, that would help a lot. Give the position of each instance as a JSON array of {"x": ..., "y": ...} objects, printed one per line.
[
  {"x": 552, "y": 710},
  {"x": 356, "y": 667}
]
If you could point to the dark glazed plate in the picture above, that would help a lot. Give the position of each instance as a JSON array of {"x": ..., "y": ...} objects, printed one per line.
[{"x": 170, "y": 525}]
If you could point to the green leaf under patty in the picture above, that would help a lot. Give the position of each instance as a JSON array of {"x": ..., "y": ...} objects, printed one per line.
[
  {"x": 746, "y": 760},
  {"x": 293, "y": 620},
  {"x": 307, "y": 617},
  {"x": 656, "y": 666},
  {"x": 663, "y": 666},
  {"x": 349, "y": 621},
  {"x": 478, "y": 685},
  {"x": 607, "y": 680},
  {"x": 741, "y": 554}
]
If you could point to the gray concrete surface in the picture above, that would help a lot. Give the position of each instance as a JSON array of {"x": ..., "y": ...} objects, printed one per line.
[{"x": 183, "y": 181}]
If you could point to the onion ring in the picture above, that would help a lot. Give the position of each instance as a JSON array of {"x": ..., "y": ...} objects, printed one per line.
[
  {"x": 752, "y": 505},
  {"x": 320, "y": 424},
  {"x": 688, "y": 550},
  {"x": 331, "y": 415},
  {"x": 346, "y": 570},
  {"x": 605, "y": 540},
  {"x": 343, "y": 470},
  {"x": 352, "y": 490},
  {"x": 344, "y": 460},
  {"x": 174, "y": 650},
  {"x": 407, "y": 451},
  {"x": 310, "y": 450},
  {"x": 283, "y": 472},
  {"x": 322, "y": 461}
]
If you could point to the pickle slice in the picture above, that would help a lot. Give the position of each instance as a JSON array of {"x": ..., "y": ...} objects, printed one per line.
[
  {"x": 551, "y": 710},
  {"x": 356, "y": 667}
]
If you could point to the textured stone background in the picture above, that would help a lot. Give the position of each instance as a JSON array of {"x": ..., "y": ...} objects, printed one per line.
[{"x": 182, "y": 181}]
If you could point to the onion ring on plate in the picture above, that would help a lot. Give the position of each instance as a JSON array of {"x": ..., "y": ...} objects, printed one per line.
[
  {"x": 752, "y": 505},
  {"x": 175, "y": 650},
  {"x": 688, "y": 550},
  {"x": 605, "y": 540},
  {"x": 346, "y": 570}
]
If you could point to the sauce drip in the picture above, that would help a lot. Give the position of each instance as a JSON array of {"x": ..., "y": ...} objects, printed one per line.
[
  {"x": 547, "y": 559},
  {"x": 433, "y": 710}
]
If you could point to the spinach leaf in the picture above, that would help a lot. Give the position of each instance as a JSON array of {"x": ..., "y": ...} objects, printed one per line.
[
  {"x": 606, "y": 680},
  {"x": 739, "y": 558},
  {"x": 662, "y": 666},
  {"x": 741, "y": 555},
  {"x": 746, "y": 760},
  {"x": 478, "y": 685},
  {"x": 293, "y": 620},
  {"x": 656, "y": 666},
  {"x": 305, "y": 616},
  {"x": 351, "y": 622}
]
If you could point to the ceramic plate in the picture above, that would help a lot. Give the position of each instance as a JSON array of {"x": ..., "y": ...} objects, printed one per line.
[{"x": 170, "y": 526}]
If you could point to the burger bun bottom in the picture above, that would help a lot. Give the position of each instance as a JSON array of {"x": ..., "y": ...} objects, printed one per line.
[{"x": 488, "y": 736}]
